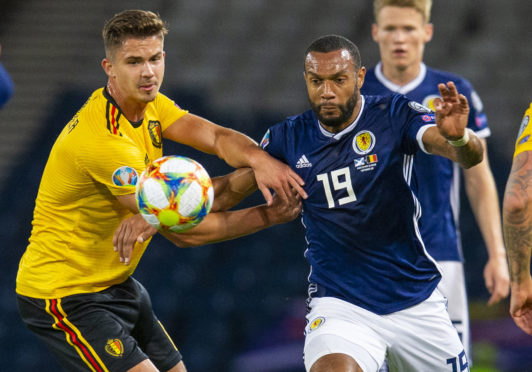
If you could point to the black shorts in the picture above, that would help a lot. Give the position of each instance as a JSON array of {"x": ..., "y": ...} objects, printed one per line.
[{"x": 111, "y": 330}]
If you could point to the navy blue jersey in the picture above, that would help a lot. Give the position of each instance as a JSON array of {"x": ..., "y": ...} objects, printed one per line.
[
  {"x": 437, "y": 178},
  {"x": 360, "y": 218}
]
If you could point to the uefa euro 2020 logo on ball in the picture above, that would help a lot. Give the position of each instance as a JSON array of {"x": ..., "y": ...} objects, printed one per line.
[{"x": 174, "y": 193}]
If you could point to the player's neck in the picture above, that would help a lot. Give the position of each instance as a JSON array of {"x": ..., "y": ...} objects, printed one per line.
[
  {"x": 132, "y": 110},
  {"x": 401, "y": 76}
]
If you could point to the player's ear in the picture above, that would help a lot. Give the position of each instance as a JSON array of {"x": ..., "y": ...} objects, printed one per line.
[
  {"x": 429, "y": 31},
  {"x": 374, "y": 31},
  {"x": 361, "y": 75},
  {"x": 107, "y": 66}
]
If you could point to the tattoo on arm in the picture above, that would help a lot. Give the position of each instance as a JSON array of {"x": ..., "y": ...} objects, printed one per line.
[{"x": 517, "y": 223}]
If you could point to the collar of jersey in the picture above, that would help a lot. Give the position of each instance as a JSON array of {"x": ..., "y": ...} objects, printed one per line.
[
  {"x": 134, "y": 124},
  {"x": 402, "y": 89},
  {"x": 347, "y": 129}
]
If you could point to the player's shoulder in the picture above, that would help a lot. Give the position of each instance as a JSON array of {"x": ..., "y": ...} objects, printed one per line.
[
  {"x": 389, "y": 109},
  {"x": 99, "y": 117},
  {"x": 162, "y": 100},
  {"x": 388, "y": 102},
  {"x": 95, "y": 106},
  {"x": 380, "y": 99},
  {"x": 165, "y": 110},
  {"x": 524, "y": 127},
  {"x": 524, "y": 136},
  {"x": 445, "y": 76},
  {"x": 528, "y": 111},
  {"x": 78, "y": 135}
]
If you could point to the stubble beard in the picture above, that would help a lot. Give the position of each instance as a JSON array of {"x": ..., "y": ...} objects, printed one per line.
[{"x": 346, "y": 111}]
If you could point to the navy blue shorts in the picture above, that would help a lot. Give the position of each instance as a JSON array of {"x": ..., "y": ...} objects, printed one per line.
[{"x": 111, "y": 330}]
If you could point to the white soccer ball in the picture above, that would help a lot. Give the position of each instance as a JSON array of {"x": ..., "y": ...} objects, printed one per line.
[{"x": 174, "y": 193}]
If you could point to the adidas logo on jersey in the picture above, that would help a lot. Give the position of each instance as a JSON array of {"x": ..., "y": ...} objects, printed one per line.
[{"x": 303, "y": 162}]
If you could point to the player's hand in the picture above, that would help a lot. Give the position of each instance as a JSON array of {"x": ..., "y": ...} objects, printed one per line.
[
  {"x": 132, "y": 230},
  {"x": 282, "y": 211},
  {"x": 497, "y": 278},
  {"x": 521, "y": 306},
  {"x": 452, "y": 112},
  {"x": 271, "y": 173}
]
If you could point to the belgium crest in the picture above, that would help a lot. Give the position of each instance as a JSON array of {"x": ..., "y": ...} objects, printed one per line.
[
  {"x": 154, "y": 128},
  {"x": 114, "y": 347}
]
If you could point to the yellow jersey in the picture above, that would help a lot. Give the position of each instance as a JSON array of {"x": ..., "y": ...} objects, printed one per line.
[
  {"x": 524, "y": 138},
  {"x": 99, "y": 154}
]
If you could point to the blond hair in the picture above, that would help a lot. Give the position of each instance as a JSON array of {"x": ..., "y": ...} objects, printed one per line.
[
  {"x": 131, "y": 23},
  {"x": 421, "y": 6}
]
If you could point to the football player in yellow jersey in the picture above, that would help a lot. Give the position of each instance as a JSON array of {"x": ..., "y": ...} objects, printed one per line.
[
  {"x": 72, "y": 290},
  {"x": 517, "y": 226}
]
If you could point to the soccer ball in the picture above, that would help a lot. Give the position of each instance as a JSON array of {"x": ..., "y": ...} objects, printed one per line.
[{"x": 174, "y": 193}]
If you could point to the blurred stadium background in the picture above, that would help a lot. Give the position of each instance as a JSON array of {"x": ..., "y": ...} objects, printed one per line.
[{"x": 239, "y": 306}]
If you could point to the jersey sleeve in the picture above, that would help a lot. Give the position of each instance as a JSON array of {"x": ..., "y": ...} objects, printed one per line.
[
  {"x": 116, "y": 162},
  {"x": 272, "y": 142},
  {"x": 168, "y": 111},
  {"x": 410, "y": 119},
  {"x": 524, "y": 140}
]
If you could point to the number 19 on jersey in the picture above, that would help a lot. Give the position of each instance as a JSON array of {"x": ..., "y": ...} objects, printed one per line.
[{"x": 341, "y": 179}]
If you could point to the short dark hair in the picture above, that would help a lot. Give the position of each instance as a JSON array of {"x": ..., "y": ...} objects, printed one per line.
[
  {"x": 331, "y": 43},
  {"x": 131, "y": 23}
]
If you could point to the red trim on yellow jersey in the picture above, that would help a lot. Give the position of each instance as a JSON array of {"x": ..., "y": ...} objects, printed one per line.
[{"x": 112, "y": 114}]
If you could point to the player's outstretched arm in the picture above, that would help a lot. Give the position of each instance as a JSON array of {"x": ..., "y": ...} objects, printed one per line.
[
  {"x": 232, "y": 188},
  {"x": 450, "y": 138},
  {"x": 229, "y": 190},
  {"x": 517, "y": 227},
  {"x": 239, "y": 151},
  {"x": 482, "y": 194},
  {"x": 220, "y": 226}
]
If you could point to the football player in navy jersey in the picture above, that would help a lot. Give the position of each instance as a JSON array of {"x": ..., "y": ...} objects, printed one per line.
[
  {"x": 373, "y": 286},
  {"x": 401, "y": 30}
]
